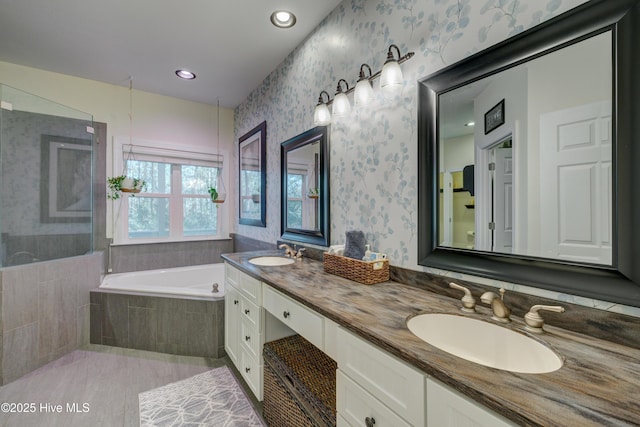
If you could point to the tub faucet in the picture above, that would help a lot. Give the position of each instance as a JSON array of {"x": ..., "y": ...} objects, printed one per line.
[
  {"x": 287, "y": 250},
  {"x": 501, "y": 312}
]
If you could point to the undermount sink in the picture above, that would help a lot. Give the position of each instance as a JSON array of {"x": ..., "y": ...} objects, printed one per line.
[
  {"x": 485, "y": 343},
  {"x": 271, "y": 261}
]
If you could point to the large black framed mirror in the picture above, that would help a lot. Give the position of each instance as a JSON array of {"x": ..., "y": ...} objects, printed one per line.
[
  {"x": 542, "y": 145},
  {"x": 252, "y": 180},
  {"x": 305, "y": 187}
]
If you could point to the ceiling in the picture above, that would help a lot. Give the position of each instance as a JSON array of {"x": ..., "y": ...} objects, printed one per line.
[{"x": 230, "y": 45}]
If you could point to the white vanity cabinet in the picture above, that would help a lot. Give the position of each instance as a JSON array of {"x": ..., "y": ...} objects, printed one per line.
[
  {"x": 244, "y": 326},
  {"x": 376, "y": 388}
]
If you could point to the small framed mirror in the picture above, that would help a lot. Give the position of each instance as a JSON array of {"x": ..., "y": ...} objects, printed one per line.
[
  {"x": 305, "y": 187},
  {"x": 253, "y": 176}
]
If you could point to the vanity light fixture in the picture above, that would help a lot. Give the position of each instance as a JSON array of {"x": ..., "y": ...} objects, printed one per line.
[
  {"x": 469, "y": 124},
  {"x": 341, "y": 105},
  {"x": 185, "y": 74},
  {"x": 364, "y": 90},
  {"x": 390, "y": 75},
  {"x": 283, "y": 19},
  {"x": 321, "y": 115}
]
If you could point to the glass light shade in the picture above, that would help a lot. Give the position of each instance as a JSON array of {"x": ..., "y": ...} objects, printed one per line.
[
  {"x": 341, "y": 105},
  {"x": 363, "y": 93},
  {"x": 321, "y": 115},
  {"x": 391, "y": 74}
]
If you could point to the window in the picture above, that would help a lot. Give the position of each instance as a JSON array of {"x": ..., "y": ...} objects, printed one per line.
[
  {"x": 294, "y": 200},
  {"x": 175, "y": 204}
]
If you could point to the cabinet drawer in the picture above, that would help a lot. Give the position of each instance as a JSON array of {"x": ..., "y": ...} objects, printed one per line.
[
  {"x": 231, "y": 274},
  {"x": 355, "y": 405},
  {"x": 296, "y": 316},
  {"x": 251, "y": 288},
  {"x": 401, "y": 387},
  {"x": 251, "y": 313},
  {"x": 251, "y": 371},
  {"x": 251, "y": 339}
]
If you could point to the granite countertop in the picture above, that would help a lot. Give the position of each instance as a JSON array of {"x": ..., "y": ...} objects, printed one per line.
[{"x": 598, "y": 384}]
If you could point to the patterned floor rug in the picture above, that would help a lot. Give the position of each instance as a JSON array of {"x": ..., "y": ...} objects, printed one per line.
[{"x": 213, "y": 398}]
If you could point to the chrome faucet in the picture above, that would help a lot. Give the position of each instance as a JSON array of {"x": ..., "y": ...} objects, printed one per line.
[
  {"x": 298, "y": 254},
  {"x": 534, "y": 321},
  {"x": 288, "y": 252},
  {"x": 501, "y": 312},
  {"x": 468, "y": 301}
]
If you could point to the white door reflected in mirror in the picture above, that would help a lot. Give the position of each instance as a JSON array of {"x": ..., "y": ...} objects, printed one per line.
[{"x": 540, "y": 150}]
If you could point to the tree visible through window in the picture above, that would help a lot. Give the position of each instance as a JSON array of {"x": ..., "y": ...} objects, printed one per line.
[
  {"x": 175, "y": 202},
  {"x": 294, "y": 200}
]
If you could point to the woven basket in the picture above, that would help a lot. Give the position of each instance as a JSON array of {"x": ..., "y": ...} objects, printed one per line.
[
  {"x": 299, "y": 384},
  {"x": 365, "y": 272}
]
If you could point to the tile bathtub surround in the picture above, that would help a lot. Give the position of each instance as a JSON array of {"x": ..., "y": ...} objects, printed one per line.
[
  {"x": 45, "y": 311},
  {"x": 246, "y": 244},
  {"x": 597, "y": 385},
  {"x": 179, "y": 326},
  {"x": 153, "y": 256}
]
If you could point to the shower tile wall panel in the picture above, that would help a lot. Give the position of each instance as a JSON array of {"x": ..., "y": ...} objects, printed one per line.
[
  {"x": 45, "y": 311},
  {"x": 166, "y": 255},
  {"x": 166, "y": 325}
]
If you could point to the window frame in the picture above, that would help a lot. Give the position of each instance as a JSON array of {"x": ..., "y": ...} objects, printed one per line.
[{"x": 176, "y": 156}]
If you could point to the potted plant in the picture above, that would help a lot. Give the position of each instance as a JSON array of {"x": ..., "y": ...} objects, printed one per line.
[
  {"x": 313, "y": 193},
  {"x": 215, "y": 196},
  {"x": 122, "y": 184}
]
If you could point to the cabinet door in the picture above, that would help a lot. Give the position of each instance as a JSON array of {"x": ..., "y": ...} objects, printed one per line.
[
  {"x": 448, "y": 408},
  {"x": 390, "y": 380},
  {"x": 232, "y": 323}
]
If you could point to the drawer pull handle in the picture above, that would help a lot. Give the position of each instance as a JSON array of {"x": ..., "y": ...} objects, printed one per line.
[
  {"x": 235, "y": 302},
  {"x": 247, "y": 311},
  {"x": 369, "y": 421},
  {"x": 247, "y": 338},
  {"x": 286, "y": 314}
]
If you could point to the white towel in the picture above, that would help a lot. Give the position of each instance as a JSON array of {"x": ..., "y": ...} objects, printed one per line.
[{"x": 336, "y": 249}]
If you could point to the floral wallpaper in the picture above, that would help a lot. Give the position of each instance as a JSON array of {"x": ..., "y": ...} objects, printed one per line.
[{"x": 374, "y": 149}]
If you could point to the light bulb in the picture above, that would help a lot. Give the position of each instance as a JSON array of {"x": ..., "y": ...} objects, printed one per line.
[
  {"x": 391, "y": 74},
  {"x": 321, "y": 115},
  {"x": 341, "y": 105},
  {"x": 363, "y": 93}
]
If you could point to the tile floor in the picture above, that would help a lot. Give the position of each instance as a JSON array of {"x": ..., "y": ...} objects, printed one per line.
[{"x": 96, "y": 386}]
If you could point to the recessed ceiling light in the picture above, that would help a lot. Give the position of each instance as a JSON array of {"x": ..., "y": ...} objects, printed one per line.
[
  {"x": 283, "y": 19},
  {"x": 185, "y": 74}
]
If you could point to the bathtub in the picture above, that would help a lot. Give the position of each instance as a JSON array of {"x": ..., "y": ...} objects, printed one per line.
[
  {"x": 195, "y": 281},
  {"x": 170, "y": 311}
]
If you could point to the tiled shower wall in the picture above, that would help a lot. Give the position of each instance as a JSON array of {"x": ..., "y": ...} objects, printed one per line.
[{"x": 45, "y": 311}]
